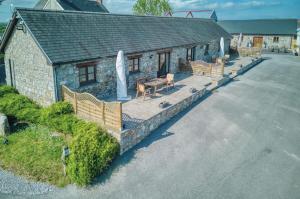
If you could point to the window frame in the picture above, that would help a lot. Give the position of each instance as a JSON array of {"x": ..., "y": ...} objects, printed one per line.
[
  {"x": 192, "y": 51},
  {"x": 86, "y": 66},
  {"x": 206, "y": 49},
  {"x": 276, "y": 39},
  {"x": 134, "y": 59}
]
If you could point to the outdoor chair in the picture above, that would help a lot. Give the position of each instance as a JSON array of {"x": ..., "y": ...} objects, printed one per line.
[
  {"x": 141, "y": 88},
  {"x": 170, "y": 80}
]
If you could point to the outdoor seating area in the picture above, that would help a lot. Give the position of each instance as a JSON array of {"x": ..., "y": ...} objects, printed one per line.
[
  {"x": 154, "y": 100},
  {"x": 148, "y": 86}
]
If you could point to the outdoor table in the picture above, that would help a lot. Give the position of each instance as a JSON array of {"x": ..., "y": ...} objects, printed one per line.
[{"x": 155, "y": 83}]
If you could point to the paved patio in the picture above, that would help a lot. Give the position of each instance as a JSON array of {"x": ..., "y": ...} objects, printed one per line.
[
  {"x": 236, "y": 63},
  {"x": 137, "y": 110}
]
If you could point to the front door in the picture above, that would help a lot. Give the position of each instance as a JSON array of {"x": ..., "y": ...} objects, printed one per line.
[
  {"x": 163, "y": 64},
  {"x": 257, "y": 42}
]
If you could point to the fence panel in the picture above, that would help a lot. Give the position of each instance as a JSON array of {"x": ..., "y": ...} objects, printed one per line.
[{"x": 88, "y": 107}]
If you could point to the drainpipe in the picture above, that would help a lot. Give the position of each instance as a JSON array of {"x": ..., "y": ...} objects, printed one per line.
[{"x": 55, "y": 84}]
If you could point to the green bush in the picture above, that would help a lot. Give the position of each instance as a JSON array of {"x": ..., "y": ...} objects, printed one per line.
[
  {"x": 61, "y": 123},
  {"x": 59, "y": 117},
  {"x": 31, "y": 115},
  {"x": 11, "y": 104},
  {"x": 92, "y": 149},
  {"x": 59, "y": 108},
  {"x": 6, "y": 90}
]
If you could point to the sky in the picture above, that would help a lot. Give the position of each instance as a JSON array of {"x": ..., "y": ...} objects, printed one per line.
[{"x": 225, "y": 9}]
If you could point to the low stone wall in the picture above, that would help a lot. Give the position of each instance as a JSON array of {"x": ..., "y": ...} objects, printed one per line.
[{"x": 131, "y": 137}]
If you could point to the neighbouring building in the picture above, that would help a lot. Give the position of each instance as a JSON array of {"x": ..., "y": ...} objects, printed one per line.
[
  {"x": 203, "y": 14},
  {"x": 75, "y": 5},
  {"x": 45, "y": 49},
  {"x": 269, "y": 34}
]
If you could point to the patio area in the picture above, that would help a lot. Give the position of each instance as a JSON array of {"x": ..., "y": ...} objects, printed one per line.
[
  {"x": 138, "y": 109},
  {"x": 141, "y": 116}
]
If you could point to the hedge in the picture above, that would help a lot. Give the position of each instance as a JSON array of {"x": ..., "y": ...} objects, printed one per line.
[{"x": 92, "y": 148}]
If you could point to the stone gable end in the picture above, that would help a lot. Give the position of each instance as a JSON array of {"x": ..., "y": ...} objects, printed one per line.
[{"x": 27, "y": 68}]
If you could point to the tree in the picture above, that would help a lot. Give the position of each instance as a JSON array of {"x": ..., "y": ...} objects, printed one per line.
[{"x": 151, "y": 7}]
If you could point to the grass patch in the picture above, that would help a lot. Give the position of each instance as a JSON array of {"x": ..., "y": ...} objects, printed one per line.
[{"x": 32, "y": 152}]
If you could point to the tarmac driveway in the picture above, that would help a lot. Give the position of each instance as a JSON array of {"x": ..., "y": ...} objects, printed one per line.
[{"x": 243, "y": 141}]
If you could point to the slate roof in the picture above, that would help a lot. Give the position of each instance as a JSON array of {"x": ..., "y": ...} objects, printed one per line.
[
  {"x": 76, "y": 5},
  {"x": 67, "y": 36},
  {"x": 261, "y": 26}
]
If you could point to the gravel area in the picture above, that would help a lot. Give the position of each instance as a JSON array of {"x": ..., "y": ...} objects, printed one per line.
[{"x": 11, "y": 184}]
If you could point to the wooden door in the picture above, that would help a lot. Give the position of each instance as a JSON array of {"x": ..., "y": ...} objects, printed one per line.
[
  {"x": 163, "y": 64},
  {"x": 257, "y": 42}
]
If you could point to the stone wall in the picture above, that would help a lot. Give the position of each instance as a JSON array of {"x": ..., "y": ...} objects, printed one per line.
[
  {"x": 106, "y": 74},
  {"x": 131, "y": 137},
  {"x": 284, "y": 41},
  {"x": 31, "y": 72}
]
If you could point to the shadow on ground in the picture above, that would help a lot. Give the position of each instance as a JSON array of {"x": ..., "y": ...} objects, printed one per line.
[{"x": 158, "y": 134}]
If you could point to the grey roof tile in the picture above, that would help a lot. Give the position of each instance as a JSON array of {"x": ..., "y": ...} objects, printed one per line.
[
  {"x": 261, "y": 26},
  {"x": 68, "y": 36}
]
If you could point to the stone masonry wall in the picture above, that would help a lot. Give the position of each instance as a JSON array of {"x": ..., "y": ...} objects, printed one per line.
[
  {"x": 131, "y": 137},
  {"x": 106, "y": 74},
  {"x": 31, "y": 72},
  {"x": 284, "y": 41}
]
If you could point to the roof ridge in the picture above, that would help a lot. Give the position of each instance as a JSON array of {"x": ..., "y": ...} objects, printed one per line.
[
  {"x": 100, "y": 13},
  {"x": 267, "y": 19}
]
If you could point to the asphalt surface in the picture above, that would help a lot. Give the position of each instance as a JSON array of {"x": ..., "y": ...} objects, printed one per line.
[{"x": 241, "y": 142}]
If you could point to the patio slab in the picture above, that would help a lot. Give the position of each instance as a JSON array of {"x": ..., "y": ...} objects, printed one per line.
[
  {"x": 141, "y": 117},
  {"x": 141, "y": 109}
]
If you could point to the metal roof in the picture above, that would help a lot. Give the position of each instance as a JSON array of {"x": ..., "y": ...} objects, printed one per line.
[
  {"x": 68, "y": 36},
  {"x": 261, "y": 26},
  {"x": 76, "y": 5}
]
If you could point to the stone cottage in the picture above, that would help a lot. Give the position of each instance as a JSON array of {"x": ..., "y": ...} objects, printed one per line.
[
  {"x": 270, "y": 34},
  {"x": 75, "y": 5},
  {"x": 46, "y": 49}
]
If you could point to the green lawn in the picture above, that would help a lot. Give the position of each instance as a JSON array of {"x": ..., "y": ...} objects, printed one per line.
[{"x": 34, "y": 153}]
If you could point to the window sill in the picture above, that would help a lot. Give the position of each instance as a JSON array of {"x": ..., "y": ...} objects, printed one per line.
[
  {"x": 134, "y": 73},
  {"x": 88, "y": 84}
]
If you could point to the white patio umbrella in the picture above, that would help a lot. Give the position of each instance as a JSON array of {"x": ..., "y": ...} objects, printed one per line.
[
  {"x": 240, "y": 40},
  {"x": 222, "y": 53},
  {"x": 121, "y": 77}
]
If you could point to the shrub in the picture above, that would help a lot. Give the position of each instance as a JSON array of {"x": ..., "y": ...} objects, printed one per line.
[
  {"x": 59, "y": 117},
  {"x": 30, "y": 115},
  {"x": 6, "y": 90},
  {"x": 59, "y": 108},
  {"x": 61, "y": 123},
  {"x": 12, "y": 104},
  {"x": 92, "y": 149}
]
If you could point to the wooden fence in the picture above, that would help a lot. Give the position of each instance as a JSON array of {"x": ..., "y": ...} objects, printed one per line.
[
  {"x": 252, "y": 52},
  {"x": 88, "y": 107},
  {"x": 200, "y": 67}
]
